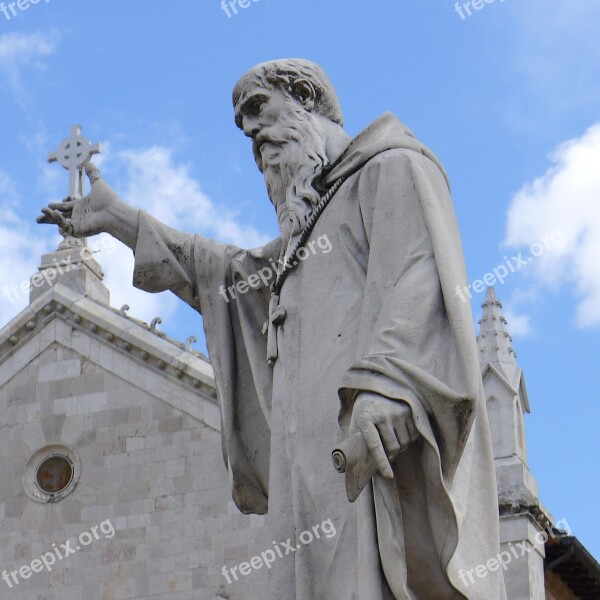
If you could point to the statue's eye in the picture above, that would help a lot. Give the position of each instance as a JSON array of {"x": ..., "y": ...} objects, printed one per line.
[{"x": 254, "y": 108}]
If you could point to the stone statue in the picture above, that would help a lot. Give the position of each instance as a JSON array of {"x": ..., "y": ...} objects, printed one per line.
[{"x": 368, "y": 339}]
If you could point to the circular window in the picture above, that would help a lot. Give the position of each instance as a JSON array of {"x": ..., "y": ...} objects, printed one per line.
[
  {"x": 51, "y": 473},
  {"x": 54, "y": 474}
]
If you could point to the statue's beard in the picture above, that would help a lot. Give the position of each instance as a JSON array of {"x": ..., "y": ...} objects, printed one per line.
[{"x": 292, "y": 155}]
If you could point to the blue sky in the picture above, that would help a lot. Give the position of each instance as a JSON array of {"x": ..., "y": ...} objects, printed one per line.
[{"x": 508, "y": 98}]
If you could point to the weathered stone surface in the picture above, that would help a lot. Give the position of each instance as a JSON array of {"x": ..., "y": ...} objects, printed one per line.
[{"x": 155, "y": 472}]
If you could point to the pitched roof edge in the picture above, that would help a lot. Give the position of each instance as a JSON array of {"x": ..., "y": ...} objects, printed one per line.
[{"x": 112, "y": 327}]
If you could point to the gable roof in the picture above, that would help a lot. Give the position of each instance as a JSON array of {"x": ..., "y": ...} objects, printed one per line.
[
  {"x": 122, "y": 345},
  {"x": 516, "y": 389}
]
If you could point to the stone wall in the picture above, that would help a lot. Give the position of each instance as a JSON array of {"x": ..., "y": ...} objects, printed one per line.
[{"x": 153, "y": 472}]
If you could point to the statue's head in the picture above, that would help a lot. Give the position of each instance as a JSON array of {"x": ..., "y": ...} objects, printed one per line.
[{"x": 291, "y": 111}]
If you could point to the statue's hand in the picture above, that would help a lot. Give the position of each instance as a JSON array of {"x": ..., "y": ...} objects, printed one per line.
[
  {"x": 387, "y": 426},
  {"x": 86, "y": 216}
]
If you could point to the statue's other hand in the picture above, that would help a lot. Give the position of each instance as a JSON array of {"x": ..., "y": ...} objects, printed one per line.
[
  {"x": 81, "y": 217},
  {"x": 387, "y": 426}
]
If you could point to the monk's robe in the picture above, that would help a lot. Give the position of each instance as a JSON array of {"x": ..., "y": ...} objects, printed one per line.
[{"x": 378, "y": 313}]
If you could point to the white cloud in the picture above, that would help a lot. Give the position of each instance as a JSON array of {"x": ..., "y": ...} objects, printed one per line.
[
  {"x": 20, "y": 50},
  {"x": 150, "y": 179},
  {"x": 21, "y": 245},
  {"x": 168, "y": 191},
  {"x": 565, "y": 199},
  {"x": 519, "y": 325}
]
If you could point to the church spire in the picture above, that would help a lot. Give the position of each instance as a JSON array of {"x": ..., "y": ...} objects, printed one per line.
[
  {"x": 522, "y": 516},
  {"x": 494, "y": 341}
]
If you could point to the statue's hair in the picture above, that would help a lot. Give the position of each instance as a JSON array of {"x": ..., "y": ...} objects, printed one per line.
[{"x": 283, "y": 73}]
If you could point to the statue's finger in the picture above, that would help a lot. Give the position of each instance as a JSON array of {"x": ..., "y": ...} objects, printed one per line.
[
  {"x": 92, "y": 172},
  {"x": 47, "y": 216},
  {"x": 393, "y": 444},
  {"x": 373, "y": 441},
  {"x": 43, "y": 219},
  {"x": 66, "y": 205},
  {"x": 56, "y": 218},
  {"x": 403, "y": 435},
  {"x": 65, "y": 224},
  {"x": 60, "y": 220}
]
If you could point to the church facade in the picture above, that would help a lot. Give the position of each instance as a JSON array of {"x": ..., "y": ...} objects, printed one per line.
[{"x": 112, "y": 479}]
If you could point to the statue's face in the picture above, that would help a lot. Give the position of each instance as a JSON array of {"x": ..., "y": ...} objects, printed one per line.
[
  {"x": 258, "y": 111},
  {"x": 289, "y": 146}
]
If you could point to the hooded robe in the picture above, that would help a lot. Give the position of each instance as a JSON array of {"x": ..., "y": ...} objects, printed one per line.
[{"x": 377, "y": 312}]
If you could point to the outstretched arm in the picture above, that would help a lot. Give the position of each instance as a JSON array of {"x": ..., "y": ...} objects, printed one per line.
[
  {"x": 163, "y": 255},
  {"x": 100, "y": 211}
]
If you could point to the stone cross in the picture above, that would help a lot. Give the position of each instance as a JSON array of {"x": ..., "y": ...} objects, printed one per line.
[{"x": 72, "y": 154}]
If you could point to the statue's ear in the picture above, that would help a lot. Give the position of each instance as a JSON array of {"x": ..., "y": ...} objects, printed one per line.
[{"x": 304, "y": 92}]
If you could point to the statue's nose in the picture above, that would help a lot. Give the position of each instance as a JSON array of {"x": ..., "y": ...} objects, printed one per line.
[{"x": 252, "y": 126}]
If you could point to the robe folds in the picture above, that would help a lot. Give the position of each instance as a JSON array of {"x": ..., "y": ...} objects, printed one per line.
[{"x": 376, "y": 310}]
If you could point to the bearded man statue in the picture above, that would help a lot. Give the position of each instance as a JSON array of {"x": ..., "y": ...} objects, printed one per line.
[{"x": 369, "y": 339}]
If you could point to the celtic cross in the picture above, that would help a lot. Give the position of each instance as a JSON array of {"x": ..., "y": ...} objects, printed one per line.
[{"x": 72, "y": 154}]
